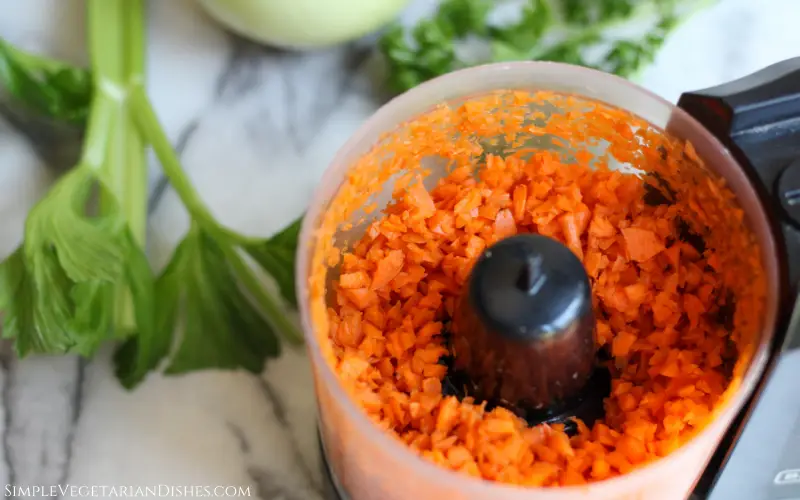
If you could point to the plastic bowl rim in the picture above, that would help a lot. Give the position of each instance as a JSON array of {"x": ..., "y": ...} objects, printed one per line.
[{"x": 445, "y": 477}]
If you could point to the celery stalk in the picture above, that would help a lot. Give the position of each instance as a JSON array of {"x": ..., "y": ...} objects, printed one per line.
[
  {"x": 81, "y": 276},
  {"x": 116, "y": 38}
]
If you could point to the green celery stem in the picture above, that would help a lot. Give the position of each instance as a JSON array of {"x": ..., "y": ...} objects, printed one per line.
[
  {"x": 274, "y": 313},
  {"x": 150, "y": 127},
  {"x": 116, "y": 41}
]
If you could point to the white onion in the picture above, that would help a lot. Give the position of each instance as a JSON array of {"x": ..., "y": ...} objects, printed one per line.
[{"x": 303, "y": 24}]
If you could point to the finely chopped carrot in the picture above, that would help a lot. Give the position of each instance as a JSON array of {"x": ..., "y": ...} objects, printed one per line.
[{"x": 658, "y": 299}]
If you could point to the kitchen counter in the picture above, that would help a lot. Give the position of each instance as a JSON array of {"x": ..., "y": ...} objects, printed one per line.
[{"x": 255, "y": 129}]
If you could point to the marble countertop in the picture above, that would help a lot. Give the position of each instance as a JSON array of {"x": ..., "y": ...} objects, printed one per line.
[{"x": 255, "y": 129}]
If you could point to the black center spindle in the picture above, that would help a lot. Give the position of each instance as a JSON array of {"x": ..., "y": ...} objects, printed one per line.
[{"x": 523, "y": 332}]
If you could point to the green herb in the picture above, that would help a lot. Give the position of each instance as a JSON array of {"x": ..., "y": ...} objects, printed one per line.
[
  {"x": 45, "y": 86},
  {"x": 81, "y": 276},
  {"x": 277, "y": 256},
  {"x": 549, "y": 30}
]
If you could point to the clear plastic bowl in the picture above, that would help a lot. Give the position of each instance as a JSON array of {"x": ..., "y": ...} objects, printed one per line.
[{"x": 368, "y": 463}]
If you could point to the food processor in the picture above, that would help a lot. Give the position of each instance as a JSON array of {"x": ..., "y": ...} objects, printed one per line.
[{"x": 524, "y": 331}]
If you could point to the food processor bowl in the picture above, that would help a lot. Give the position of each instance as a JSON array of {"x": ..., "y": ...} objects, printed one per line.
[{"x": 368, "y": 463}]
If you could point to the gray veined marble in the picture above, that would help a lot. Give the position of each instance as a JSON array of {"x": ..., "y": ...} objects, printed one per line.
[{"x": 255, "y": 128}]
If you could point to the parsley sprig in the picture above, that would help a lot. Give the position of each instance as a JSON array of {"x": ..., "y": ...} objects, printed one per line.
[
  {"x": 81, "y": 276},
  {"x": 572, "y": 31}
]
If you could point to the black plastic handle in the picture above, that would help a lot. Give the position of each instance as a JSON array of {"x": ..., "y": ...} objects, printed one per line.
[
  {"x": 758, "y": 119},
  {"x": 757, "y": 103}
]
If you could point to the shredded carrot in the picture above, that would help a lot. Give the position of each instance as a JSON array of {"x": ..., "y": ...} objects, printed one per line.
[
  {"x": 658, "y": 299},
  {"x": 388, "y": 268},
  {"x": 642, "y": 244}
]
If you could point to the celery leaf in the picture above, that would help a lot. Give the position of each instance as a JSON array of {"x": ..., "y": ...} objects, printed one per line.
[
  {"x": 46, "y": 86},
  {"x": 276, "y": 256},
  {"x": 221, "y": 327}
]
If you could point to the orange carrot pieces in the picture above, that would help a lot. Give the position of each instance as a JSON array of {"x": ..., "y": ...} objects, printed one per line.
[
  {"x": 419, "y": 198},
  {"x": 642, "y": 244},
  {"x": 388, "y": 268},
  {"x": 656, "y": 297},
  {"x": 504, "y": 224}
]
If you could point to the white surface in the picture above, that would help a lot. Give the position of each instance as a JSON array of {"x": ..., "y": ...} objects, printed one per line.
[{"x": 259, "y": 128}]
